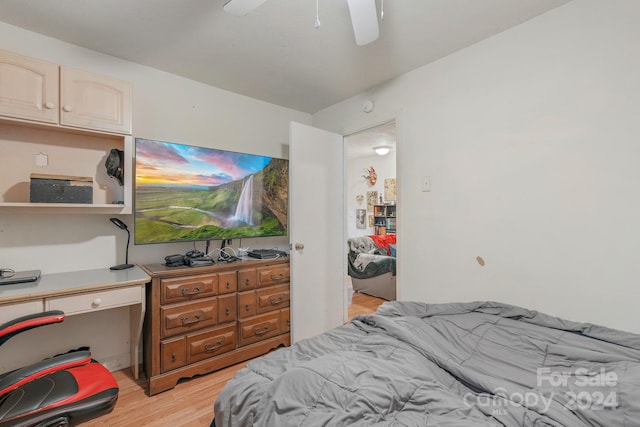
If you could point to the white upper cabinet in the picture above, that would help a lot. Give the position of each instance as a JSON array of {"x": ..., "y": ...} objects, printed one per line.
[
  {"x": 92, "y": 101},
  {"x": 36, "y": 90},
  {"x": 28, "y": 88},
  {"x": 61, "y": 121}
]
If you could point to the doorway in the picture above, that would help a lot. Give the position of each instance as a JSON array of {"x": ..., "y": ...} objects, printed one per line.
[{"x": 370, "y": 187}]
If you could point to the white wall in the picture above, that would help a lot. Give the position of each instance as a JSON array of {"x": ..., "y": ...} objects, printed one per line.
[
  {"x": 165, "y": 107},
  {"x": 531, "y": 140},
  {"x": 385, "y": 167}
]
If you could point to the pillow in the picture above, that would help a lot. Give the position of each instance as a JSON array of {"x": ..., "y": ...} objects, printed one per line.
[{"x": 392, "y": 249}]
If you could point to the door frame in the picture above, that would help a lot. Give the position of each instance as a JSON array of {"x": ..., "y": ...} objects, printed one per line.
[{"x": 397, "y": 117}]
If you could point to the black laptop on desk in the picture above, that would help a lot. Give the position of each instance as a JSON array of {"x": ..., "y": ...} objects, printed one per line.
[{"x": 20, "y": 277}]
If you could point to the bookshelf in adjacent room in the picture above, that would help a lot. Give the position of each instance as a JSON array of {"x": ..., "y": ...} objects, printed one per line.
[{"x": 384, "y": 219}]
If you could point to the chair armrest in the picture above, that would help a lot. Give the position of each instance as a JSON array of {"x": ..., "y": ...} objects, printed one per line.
[{"x": 30, "y": 321}]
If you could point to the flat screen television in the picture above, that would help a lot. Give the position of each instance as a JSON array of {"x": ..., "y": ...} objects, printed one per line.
[{"x": 187, "y": 193}]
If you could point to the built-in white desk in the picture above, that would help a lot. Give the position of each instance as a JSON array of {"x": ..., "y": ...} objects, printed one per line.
[{"x": 79, "y": 292}]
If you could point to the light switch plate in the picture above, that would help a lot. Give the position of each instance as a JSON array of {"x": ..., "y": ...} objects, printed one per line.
[{"x": 426, "y": 183}]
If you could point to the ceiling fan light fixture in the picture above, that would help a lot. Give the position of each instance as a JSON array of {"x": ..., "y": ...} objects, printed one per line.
[
  {"x": 383, "y": 150},
  {"x": 242, "y": 7},
  {"x": 364, "y": 19}
]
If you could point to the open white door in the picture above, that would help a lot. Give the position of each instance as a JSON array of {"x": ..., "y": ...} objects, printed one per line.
[{"x": 316, "y": 186}]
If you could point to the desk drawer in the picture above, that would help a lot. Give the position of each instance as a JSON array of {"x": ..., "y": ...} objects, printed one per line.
[
  {"x": 94, "y": 301},
  {"x": 12, "y": 311}
]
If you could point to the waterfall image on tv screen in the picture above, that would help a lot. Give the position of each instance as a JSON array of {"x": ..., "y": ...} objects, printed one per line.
[{"x": 189, "y": 193}]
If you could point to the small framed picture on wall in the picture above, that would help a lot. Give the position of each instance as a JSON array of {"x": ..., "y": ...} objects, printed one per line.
[
  {"x": 372, "y": 199},
  {"x": 361, "y": 216}
]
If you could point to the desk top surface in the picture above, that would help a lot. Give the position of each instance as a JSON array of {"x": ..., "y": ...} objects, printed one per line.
[{"x": 50, "y": 285}]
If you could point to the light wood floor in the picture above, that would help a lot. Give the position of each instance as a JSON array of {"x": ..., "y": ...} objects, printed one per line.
[{"x": 190, "y": 403}]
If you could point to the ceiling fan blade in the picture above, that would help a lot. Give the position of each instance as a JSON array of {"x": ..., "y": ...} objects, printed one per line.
[
  {"x": 364, "y": 19},
  {"x": 242, "y": 7}
]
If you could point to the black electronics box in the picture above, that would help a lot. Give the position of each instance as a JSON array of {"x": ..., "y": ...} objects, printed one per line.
[
  {"x": 266, "y": 253},
  {"x": 60, "y": 189}
]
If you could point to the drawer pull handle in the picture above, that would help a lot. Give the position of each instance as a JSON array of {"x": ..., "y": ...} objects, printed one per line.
[
  {"x": 173, "y": 357},
  {"x": 276, "y": 301},
  {"x": 247, "y": 307},
  {"x": 96, "y": 302},
  {"x": 228, "y": 285},
  {"x": 262, "y": 331},
  {"x": 208, "y": 347},
  {"x": 247, "y": 282},
  {"x": 277, "y": 277},
  {"x": 186, "y": 321},
  {"x": 288, "y": 322},
  {"x": 227, "y": 311},
  {"x": 186, "y": 292}
]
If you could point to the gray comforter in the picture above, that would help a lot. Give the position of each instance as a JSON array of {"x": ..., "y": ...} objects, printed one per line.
[{"x": 467, "y": 364}]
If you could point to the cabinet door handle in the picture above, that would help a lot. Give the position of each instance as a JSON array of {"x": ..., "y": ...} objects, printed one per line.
[
  {"x": 67, "y": 108},
  {"x": 261, "y": 331},
  {"x": 277, "y": 277},
  {"x": 185, "y": 320},
  {"x": 247, "y": 282},
  {"x": 276, "y": 301},
  {"x": 186, "y": 292},
  {"x": 49, "y": 105},
  {"x": 208, "y": 347}
]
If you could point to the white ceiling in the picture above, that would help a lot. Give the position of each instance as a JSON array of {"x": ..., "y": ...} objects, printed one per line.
[
  {"x": 361, "y": 144},
  {"x": 274, "y": 53}
]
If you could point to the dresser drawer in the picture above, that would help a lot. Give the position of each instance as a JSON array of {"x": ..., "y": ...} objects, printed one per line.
[
  {"x": 183, "y": 318},
  {"x": 94, "y": 301},
  {"x": 247, "y": 304},
  {"x": 227, "y": 308},
  {"x": 259, "y": 327},
  {"x": 246, "y": 279},
  {"x": 173, "y": 354},
  {"x": 285, "y": 320},
  {"x": 227, "y": 282},
  {"x": 272, "y": 298},
  {"x": 211, "y": 343},
  {"x": 271, "y": 275},
  {"x": 188, "y": 288}
]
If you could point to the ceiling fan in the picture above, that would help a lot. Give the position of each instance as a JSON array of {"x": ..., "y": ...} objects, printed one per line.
[{"x": 363, "y": 13}]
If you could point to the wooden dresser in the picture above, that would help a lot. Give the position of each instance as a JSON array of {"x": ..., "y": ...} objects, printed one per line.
[{"x": 201, "y": 319}]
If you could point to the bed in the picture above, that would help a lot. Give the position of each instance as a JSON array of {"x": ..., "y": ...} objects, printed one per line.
[{"x": 460, "y": 364}]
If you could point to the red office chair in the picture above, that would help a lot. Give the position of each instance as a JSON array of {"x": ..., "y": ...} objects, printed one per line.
[{"x": 63, "y": 390}]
